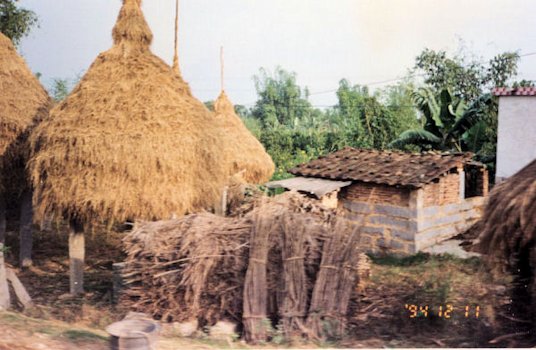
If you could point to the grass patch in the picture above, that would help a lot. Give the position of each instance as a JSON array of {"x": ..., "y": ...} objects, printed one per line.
[{"x": 79, "y": 335}]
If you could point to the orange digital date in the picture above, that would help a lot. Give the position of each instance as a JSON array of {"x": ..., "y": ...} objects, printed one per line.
[{"x": 442, "y": 311}]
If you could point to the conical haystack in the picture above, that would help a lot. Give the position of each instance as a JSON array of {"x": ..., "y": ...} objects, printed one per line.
[
  {"x": 125, "y": 143},
  {"x": 509, "y": 222},
  {"x": 23, "y": 102},
  {"x": 242, "y": 151}
]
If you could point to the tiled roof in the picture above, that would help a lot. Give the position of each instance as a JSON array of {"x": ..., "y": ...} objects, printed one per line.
[
  {"x": 383, "y": 167},
  {"x": 522, "y": 91}
]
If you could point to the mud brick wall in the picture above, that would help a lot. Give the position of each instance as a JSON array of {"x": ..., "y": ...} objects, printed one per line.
[
  {"x": 372, "y": 193},
  {"x": 438, "y": 223},
  {"x": 383, "y": 213},
  {"x": 445, "y": 191},
  {"x": 396, "y": 220}
]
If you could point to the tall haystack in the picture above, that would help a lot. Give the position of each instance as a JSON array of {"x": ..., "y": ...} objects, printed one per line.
[
  {"x": 23, "y": 103},
  {"x": 242, "y": 151},
  {"x": 126, "y": 144},
  {"x": 508, "y": 233}
]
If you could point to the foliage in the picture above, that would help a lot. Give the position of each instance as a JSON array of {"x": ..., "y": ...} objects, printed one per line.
[
  {"x": 16, "y": 22},
  {"x": 448, "y": 122},
  {"x": 281, "y": 101},
  {"x": 468, "y": 78},
  {"x": 60, "y": 89}
]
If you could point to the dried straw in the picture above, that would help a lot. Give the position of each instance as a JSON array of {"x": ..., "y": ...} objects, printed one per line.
[
  {"x": 508, "y": 224},
  {"x": 336, "y": 279},
  {"x": 508, "y": 236},
  {"x": 242, "y": 152},
  {"x": 127, "y": 142},
  {"x": 23, "y": 102}
]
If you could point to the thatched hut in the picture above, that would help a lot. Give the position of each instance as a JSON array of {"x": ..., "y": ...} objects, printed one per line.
[
  {"x": 23, "y": 103},
  {"x": 508, "y": 230},
  {"x": 126, "y": 143},
  {"x": 242, "y": 151}
]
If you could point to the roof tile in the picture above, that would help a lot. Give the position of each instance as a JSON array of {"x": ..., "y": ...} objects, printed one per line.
[{"x": 383, "y": 167}]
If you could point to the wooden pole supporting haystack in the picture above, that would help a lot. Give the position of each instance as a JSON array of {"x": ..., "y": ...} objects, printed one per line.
[
  {"x": 222, "y": 68},
  {"x": 25, "y": 230},
  {"x": 5, "y": 301},
  {"x": 76, "y": 256},
  {"x": 176, "y": 66},
  {"x": 20, "y": 292}
]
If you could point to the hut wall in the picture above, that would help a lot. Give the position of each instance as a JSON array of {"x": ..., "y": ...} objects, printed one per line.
[
  {"x": 387, "y": 216},
  {"x": 440, "y": 222},
  {"x": 445, "y": 191},
  {"x": 403, "y": 221}
]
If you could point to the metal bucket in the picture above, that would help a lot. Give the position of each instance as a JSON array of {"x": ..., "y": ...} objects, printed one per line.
[{"x": 135, "y": 334}]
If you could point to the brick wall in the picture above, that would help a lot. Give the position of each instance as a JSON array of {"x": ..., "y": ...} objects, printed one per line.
[
  {"x": 372, "y": 193},
  {"x": 386, "y": 220},
  {"x": 438, "y": 223},
  {"x": 445, "y": 191}
]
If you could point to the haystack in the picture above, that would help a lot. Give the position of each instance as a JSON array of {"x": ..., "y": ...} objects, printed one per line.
[
  {"x": 508, "y": 233},
  {"x": 242, "y": 151},
  {"x": 23, "y": 103},
  {"x": 126, "y": 143}
]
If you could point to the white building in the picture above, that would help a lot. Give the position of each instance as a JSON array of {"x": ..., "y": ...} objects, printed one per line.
[{"x": 516, "y": 144}]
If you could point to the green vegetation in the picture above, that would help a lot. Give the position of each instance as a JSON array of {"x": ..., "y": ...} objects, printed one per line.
[
  {"x": 16, "y": 22},
  {"x": 451, "y": 109}
]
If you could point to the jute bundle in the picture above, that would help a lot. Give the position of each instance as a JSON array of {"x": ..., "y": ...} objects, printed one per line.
[
  {"x": 185, "y": 269},
  {"x": 258, "y": 269},
  {"x": 294, "y": 305},
  {"x": 242, "y": 151},
  {"x": 336, "y": 279},
  {"x": 127, "y": 143},
  {"x": 255, "y": 317},
  {"x": 23, "y": 103}
]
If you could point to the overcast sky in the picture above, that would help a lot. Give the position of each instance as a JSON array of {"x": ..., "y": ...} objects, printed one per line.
[{"x": 323, "y": 41}]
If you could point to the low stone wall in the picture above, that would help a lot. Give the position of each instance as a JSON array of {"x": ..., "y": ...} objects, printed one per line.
[
  {"x": 384, "y": 228},
  {"x": 407, "y": 230},
  {"x": 438, "y": 223}
]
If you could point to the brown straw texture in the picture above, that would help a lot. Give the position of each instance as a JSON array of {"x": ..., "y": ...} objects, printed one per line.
[
  {"x": 23, "y": 102},
  {"x": 127, "y": 143},
  {"x": 242, "y": 150}
]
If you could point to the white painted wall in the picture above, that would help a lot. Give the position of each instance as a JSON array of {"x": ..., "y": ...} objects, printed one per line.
[{"x": 516, "y": 135}]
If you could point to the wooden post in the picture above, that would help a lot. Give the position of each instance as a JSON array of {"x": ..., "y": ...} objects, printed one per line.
[
  {"x": 176, "y": 67},
  {"x": 18, "y": 288},
  {"x": 2, "y": 219},
  {"x": 25, "y": 230},
  {"x": 5, "y": 301},
  {"x": 222, "y": 69},
  {"x": 76, "y": 256}
]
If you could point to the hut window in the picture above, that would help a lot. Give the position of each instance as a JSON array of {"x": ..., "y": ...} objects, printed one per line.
[{"x": 474, "y": 181}]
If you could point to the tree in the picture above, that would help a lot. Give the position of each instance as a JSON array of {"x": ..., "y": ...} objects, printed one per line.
[
  {"x": 467, "y": 78},
  {"x": 16, "y": 22},
  {"x": 447, "y": 121},
  {"x": 281, "y": 101},
  {"x": 60, "y": 89},
  {"x": 370, "y": 123}
]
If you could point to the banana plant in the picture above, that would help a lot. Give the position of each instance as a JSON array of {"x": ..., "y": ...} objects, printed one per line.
[{"x": 446, "y": 121}]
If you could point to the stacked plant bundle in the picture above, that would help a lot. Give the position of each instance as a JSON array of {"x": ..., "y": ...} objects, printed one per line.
[
  {"x": 171, "y": 263},
  {"x": 508, "y": 236}
]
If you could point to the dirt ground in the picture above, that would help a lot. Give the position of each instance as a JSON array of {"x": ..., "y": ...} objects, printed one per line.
[{"x": 402, "y": 304}]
